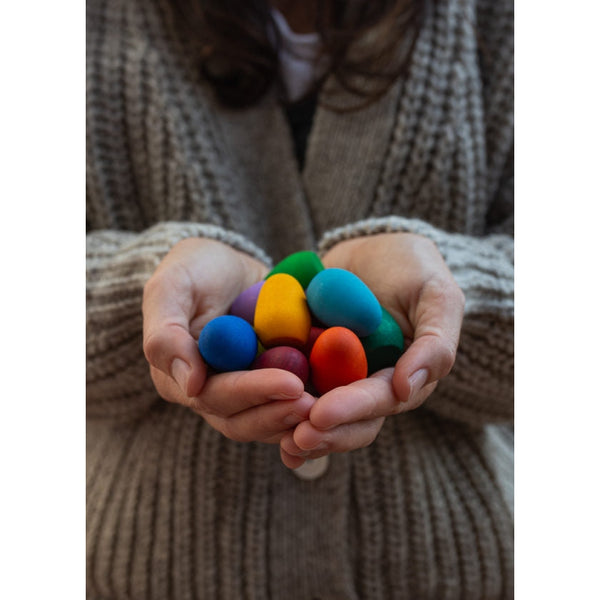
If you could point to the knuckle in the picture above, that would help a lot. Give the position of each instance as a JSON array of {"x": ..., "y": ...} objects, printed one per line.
[
  {"x": 440, "y": 290},
  {"x": 446, "y": 356},
  {"x": 460, "y": 298},
  {"x": 163, "y": 389},
  {"x": 421, "y": 244},
  {"x": 149, "y": 287},
  {"x": 152, "y": 346},
  {"x": 236, "y": 434},
  {"x": 367, "y": 442},
  {"x": 206, "y": 409},
  {"x": 426, "y": 242}
]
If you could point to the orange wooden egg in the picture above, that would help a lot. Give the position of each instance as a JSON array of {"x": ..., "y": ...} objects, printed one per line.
[
  {"x": 282, "y": 316},
  {"x": 337, "y": 358}
]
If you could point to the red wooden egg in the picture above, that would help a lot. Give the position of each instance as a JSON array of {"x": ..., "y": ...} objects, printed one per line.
[
  {"x": 337, "y": 358},
  {"x": 315, "y": 332},
  {"x": 284, "y": 357}
]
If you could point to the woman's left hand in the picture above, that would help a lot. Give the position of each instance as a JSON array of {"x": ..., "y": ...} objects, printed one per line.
[{"x": 411, "y": 280}]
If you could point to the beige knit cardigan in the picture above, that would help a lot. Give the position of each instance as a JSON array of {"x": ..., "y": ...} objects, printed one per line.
[{"x": 176, "y": 510}]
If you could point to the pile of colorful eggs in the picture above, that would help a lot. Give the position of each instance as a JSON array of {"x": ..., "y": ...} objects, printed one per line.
[{"x": 324, "y": 325}]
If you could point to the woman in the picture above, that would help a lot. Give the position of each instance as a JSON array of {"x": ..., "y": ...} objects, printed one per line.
[{"x": 221, "y": 140}]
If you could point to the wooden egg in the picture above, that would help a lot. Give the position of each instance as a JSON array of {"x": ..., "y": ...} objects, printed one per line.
[
  {"x": 228, "y": 343},
  {"x": 284, "y": 357},
  {"x": 385, "y": 346},
  {"x": 339, "y": 298},
  {"x": 315, "y": 332},
  {"x": 337, "y": 358},
  {"x": 244, "y": 305},
  {"x": 282, "y": 316},
  {"x": 303, "y": 266}
]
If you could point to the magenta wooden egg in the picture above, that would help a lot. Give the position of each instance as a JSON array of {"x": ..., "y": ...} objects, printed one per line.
[
  {"x": 337, "y": 358},
  {"x": 284, "y": 357}
]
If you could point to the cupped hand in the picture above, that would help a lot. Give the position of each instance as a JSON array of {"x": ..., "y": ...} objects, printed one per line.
[
  {"x": 196, "y": 282},
  {"x": 411, "y": 280}
]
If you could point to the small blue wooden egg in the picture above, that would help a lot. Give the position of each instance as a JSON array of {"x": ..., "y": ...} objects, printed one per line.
[
  {"x": 339, "y": 298},
  {"x": 228, "y": 343}
]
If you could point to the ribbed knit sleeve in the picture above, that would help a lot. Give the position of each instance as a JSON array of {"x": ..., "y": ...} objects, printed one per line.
[
  {"x": 480, "y": 387},
  {"x": 118, "y": 265}
]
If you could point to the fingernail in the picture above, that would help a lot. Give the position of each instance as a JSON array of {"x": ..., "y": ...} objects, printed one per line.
[
  {"x": 416, "y": 381},
  {"x": 293, "y": 419},
  {"x": 283, "y": 396},
  {"x": 303, "y": 454},
  {"x": 180, "y": 372},
  {"x": 320, "y": 446}
]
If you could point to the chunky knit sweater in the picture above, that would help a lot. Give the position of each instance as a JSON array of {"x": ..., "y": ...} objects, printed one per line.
[{"x": 176, "y": 510}]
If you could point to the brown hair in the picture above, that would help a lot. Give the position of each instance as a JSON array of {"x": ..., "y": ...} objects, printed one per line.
[{"x": 368, "y": 44}]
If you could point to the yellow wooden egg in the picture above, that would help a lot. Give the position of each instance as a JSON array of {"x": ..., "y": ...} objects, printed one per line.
[{"x": 282, "y": 316}]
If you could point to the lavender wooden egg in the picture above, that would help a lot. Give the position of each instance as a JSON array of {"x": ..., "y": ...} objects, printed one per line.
[{"x": 244, "y": 305}]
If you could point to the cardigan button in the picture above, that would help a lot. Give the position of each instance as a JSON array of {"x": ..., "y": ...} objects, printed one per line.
[{"x": 312, "y": 468}]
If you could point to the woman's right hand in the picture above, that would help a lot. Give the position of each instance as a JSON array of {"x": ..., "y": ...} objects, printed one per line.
[{"x": 197, "y": 281}]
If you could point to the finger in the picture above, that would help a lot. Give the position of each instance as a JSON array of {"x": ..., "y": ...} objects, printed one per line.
[
  {"x": 365, "y": 399},
  {"x": 291, "y": 462},
  {"x": 288, "y": 447},
  {"x": 167, "y": 342},
  {"x": 309, "y": 442},
  {"x": 168, "y": 388},
  {"x": 438, "y": 319},
  {"x": 264, "y": 423},
  {"x": 226, "y": 394},
  {"x": 276, "y": 439}
]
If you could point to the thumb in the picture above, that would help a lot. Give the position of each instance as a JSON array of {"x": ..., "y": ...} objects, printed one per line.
[
  {"x": 167, "y": 342},
  {"x": 170, "y": 348},
  {"x": 432, "y": 353}
]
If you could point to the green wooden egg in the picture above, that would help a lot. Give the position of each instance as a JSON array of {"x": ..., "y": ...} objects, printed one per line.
[
  {"x": 385, "y": 345},
  {"x": 302, "y": 265}
]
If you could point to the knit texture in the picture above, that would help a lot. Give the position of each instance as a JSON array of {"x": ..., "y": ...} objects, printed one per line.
[{"x": 176, "y": 510}]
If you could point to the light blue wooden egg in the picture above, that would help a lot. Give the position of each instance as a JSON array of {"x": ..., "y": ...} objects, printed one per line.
[{"x": 339, "y": 298}]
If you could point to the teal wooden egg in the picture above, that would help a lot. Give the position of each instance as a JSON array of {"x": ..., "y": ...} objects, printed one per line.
[{"x": 339, "y": 298}]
